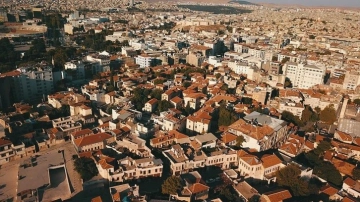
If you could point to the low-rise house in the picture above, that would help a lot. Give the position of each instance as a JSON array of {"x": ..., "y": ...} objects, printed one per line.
[
  {"x": 293, "y": 146},
  {"x": 261, "y": 132},
  {"x": 250, "y": 165},
  {"x": 6, "y": 151},
  {"x": 150, "y": 105},
  {"x": 271, "y": 164},
  {"x": 80, "y": 109},
  {"x": 199, "y": 122},
  {"x": 164, "y": 139},
  {"x": 351, "y": 187},
  {"x": 276, "y": 196},
  {"x": 193, "y": 100},
  {"x": 130, "y": 169},
  {"x": 193, "y": 188},
  {"x": 246, "y": 191},
  {"x": 92, "y": 142},
  {"x": 343, "y": 137},
  {"x": 80, "y": 134}
]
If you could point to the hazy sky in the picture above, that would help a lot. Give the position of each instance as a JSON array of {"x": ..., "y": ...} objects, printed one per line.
[{"x": 343, "y": 3}]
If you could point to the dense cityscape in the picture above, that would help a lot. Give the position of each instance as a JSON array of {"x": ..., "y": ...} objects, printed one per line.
[{"x": 224, "y": 101}]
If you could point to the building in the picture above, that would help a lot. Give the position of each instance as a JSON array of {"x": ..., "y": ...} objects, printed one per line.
[
  {"x": 261, "y": 132},
  {"x": 150, "y": 105},
  {"x": 76, "y": 69},
  {"x": 304, "y": 76},
  {"x": 144, "y": 60},
  {"x": 92, "y": 142},
  {"x": 6, "y": 151},
  {"x": 34, "y": 83},
  {"x": 351, "y": 80}
]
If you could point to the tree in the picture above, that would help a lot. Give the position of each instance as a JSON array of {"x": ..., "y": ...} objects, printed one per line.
[
  {"x": 290, "y": 117},
  {"x": 171, "y": 185},
  {"x": 156, "y": 93},
  {"x": 226, "y": 117},
  {"x": 356, "y": 173},
  {"x": 86, "y": 168},
  {"x": 357, "y": 101},
  {"x": 240, "y": 140},
  {"x": 204, "y": 90},
  {"x": 186, "y": 84},
  {"x": 308, "y": 115},
  {"x": 290, "y": 177},
  {"x": 255, "y": 198},
  {"x": 158, "y": 81},
  {"x": 328, "y": 115},
  {"x": 164, "y": 105},
  {"x": 311, "y": 36},
  {"x": 288, "y": 83},
  {"x": 218, "y": 75}
]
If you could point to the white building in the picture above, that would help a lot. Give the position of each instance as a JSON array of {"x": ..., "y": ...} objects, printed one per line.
[
  {"x": 144, "y": 61},
  {"x": 78, "y": 67},
  {"x": 304, "y": 76},
  {"x": 242, "y": 68},
  {"x": 34, "y": 83}
]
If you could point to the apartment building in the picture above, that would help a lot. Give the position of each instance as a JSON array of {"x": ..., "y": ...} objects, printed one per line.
[
  {"x": 6, "y": 151},
  {"x": 144, "y": 60},
  {"x": 261, "y": 132},
  {"x": 291, "y": 106},
  {"x": 351, "y": 80},
  {"x": 198, "y": 123},
  {"x": 78, "y": 68},
  {"x": 304, "y": 76},
  {"x": 242, "y": 68},
  {"x": 34, "y": 83}
]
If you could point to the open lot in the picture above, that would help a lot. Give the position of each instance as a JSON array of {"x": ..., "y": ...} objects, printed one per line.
[{"x": 8, "y": 182}]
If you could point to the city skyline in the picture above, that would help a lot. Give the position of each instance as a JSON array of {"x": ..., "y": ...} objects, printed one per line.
[{"x": 344, "y": 3}]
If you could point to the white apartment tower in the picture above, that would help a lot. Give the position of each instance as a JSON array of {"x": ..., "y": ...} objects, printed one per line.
[
  {"x": 304, "y": 76},
  {"x": 34, "y": 83}
]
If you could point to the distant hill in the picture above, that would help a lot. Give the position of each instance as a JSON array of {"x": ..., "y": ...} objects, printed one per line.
[{"x": 241, "y": 2}]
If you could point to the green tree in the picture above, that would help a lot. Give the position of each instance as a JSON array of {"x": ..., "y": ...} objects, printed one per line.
[
  {"x": 287, "y": 83},
  {"x": 156, "y": 93},
  {"x": 186, "y": 84},
  {"x": 255, "y": 198},
  {"x": 164, "y": 105},
  {"x": 240, "y": 140},
  {"x": 226, "y": 117},
  {"x": 172, "y": 185},
  {"x": 356, "y": 173},
  {"x": 85, "y": 167},
  {"x": 158, "y": 81},
  {"x": 328, "y": 115},
  {"x": 289, "y": 176},
  {"x": 218, "y": 75},
  {"x": 204, "y": 90},
  {"x": 290, "y": 117},
  {"x": 308, "y": 115},
  {"x": 357, "y": 101}
]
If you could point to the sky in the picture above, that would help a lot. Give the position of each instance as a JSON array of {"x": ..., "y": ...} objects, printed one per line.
[{"x": 342, "y": 3}]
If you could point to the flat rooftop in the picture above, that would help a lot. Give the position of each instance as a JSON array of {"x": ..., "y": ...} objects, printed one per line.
[
  {"x": 349, "y": 126},
  {"x": 59, "y": 186},
  {"x": 33, "y": 172}
]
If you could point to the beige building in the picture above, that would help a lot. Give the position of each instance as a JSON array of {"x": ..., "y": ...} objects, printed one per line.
[{"x": 92, "y": 142}]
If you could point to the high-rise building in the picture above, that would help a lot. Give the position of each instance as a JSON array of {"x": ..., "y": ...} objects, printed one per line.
[
  {"x": 304, "y": 76},
  {"x": 33, "y": 83}
]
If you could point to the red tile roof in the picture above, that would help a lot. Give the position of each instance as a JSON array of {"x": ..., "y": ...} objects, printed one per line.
[{"x": 92, "y": 139}]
